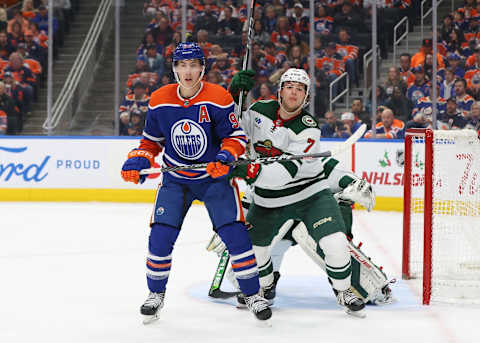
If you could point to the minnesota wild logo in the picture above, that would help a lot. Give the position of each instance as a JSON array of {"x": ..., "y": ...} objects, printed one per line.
[
  {"x": 266, "y": 149},
  {"x": 385, "y": 161},
  {"x": 418, "y": 162}
]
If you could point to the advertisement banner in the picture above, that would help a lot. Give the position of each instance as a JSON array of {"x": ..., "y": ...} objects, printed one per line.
[
  {"x": 46, "y": 166},
  {"x": 381, "y": 164},
  {"x": 65, "y": 163}
]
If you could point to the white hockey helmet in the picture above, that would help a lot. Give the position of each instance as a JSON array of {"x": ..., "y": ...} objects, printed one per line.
[{"x": 294, "y": 75}]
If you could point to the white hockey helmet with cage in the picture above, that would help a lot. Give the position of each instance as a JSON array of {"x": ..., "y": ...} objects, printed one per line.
[{"x": 295, "y": 75}]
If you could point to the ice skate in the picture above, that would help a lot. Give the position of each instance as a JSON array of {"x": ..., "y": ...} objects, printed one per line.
[
  {"x": 151, "y": 306},
  {"x": 259, "y": 307},
  {"x": 352, "y": 303},
  {"x": 268, "y": 293}
]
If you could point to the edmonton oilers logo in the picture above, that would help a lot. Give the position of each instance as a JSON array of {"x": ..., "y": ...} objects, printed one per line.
[{"x": 188, "y": 139}]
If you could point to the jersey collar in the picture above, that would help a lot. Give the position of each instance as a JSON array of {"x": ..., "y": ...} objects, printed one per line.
[{"x": 187, "y": 102}]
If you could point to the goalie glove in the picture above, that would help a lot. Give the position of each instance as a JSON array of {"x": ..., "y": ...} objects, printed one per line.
[
  {"x": 216, "y": 244},
  {"x": 359, "y": 191}
]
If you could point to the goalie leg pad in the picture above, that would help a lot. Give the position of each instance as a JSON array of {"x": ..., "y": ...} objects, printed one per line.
[
  {"x": 243, "y": 261},
  {"x": 367, "y": 278},
  {"x": 337, "y": 260},
  {"x": 278, "y": 251}
]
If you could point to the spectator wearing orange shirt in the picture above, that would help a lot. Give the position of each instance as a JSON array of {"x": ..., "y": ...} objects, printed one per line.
[
  {"x": 282, "y": 33},
  {"x": 17, "y": 18},
  {"x": 404, "y": 69},
  {"x": 473, "y": 62},
  {"x": 28, "y": 10},
  {"x": 389, "y": 127},
  {"x": 426, "y": 49},
  {"x": 349, "y": 52}
]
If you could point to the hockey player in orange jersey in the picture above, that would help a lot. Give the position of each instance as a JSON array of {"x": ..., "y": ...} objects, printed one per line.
[{"x": 193, "y": 122}]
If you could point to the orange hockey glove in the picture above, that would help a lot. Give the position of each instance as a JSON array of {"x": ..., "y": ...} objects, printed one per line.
[
  {"x": 137, "y": 160},
  {"x": 220, "y": 168}
]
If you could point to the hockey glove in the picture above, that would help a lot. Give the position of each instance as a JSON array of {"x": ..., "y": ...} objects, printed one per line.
[
  {"x": 241, "y": 81},
  {"x": 248, "y": 172},
  {"x": 359, "y": 191},
  {"x": 220, "y": 167},
  {"x": 137, "y": 160}
]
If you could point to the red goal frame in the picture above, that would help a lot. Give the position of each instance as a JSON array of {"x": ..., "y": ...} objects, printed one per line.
[{"x": 427, "y": 134}]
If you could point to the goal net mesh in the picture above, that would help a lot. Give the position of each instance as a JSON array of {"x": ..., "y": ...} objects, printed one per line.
[{"x": 455, "y": 216}]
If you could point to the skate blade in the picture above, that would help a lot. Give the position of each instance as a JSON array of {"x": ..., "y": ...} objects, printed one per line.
[
  {"x": 356, "y": 314},
  {"x": 150, "y": 319},
  {"x": 263, "y": 323},
  {"x": 240, "y": 306}
]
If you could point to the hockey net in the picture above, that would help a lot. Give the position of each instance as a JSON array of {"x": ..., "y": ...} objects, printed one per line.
[{"x": 441, "y": 219}]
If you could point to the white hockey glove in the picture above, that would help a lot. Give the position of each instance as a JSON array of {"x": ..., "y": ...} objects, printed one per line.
[
  {"x": 359, "y": 191},
  {"x": 216, "y": 244}
]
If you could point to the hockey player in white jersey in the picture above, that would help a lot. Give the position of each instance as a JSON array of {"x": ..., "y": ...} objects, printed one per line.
[{"x": 293, "y": 190}]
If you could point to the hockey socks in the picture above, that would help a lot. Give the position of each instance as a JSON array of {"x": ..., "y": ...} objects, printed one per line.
[
  {"x": 337, "y": 260},
  {"x": 159, "y": 259}
]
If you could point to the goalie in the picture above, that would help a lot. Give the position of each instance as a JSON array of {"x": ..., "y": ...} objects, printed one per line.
[{"x": 368, "y": 279}]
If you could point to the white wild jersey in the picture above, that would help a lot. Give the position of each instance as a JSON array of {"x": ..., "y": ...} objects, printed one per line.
[{"x": 287, "y": 182}]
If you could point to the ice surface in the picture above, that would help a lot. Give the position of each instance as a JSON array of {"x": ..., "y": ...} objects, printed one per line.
[{"x": 75, "y": 272}]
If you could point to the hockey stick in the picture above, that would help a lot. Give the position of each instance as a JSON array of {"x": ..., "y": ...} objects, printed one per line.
[
  {"x": 215, "y": 291},
  {"x": 335, "y": 151},
  {"x": 247, "y": 50}
]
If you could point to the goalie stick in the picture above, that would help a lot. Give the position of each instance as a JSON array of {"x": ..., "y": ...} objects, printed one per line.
[
  {"x": 335, "y": 151},
  {"x": 215, "y": 291}
]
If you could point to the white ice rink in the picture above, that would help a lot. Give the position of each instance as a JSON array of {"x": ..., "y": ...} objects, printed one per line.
[{"x": 75, "y": 272}]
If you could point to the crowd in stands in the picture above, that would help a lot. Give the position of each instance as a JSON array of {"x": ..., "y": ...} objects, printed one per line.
[
  {"x": 23, "y": 56},
  {"x": 405, "y": 100},
  {"x": 280, "y": 41}
]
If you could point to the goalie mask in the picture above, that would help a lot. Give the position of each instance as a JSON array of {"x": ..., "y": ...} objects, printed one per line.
[
  {"x": 295, "y": 75},
  {"x": 188, "y": 51}
]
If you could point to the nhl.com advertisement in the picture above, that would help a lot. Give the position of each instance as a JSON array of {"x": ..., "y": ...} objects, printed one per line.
[{"x": 95, "y": 163}]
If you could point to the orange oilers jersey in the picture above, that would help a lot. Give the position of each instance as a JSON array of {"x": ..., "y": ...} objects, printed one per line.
[
  {"x": 330, "y": 65},
  {"x": 347, "y": 51},
  {"x": 192, "y": 130}
]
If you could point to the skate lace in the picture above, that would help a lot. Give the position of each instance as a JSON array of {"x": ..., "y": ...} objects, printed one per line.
[
  {"x": 347, "y": 297},
  {"x": 154, "y": 299},
  {"x": 256, "y": 303}
]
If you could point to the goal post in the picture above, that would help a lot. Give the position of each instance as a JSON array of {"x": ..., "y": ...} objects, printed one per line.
[{"x": 441, "y": 215}]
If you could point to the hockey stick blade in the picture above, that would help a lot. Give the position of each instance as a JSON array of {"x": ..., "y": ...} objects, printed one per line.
[
  {"x": 219, "y": 294},
  {"x": 214, "y": 290}
]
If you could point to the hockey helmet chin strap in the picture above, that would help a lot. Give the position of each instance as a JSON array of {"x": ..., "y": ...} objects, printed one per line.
[{"x": 180, "y": 82}]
